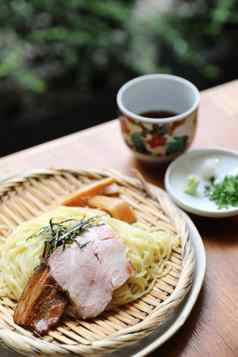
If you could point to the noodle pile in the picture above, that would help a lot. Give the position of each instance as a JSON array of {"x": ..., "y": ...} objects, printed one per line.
[{"x": 147, "y": 251}]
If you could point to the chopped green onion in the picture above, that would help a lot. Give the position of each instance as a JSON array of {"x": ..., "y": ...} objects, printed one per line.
[{"x": 225, "y": 193}]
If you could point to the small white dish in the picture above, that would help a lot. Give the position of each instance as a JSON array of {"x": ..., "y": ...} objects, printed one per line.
[{"x": 191, "y": 163}]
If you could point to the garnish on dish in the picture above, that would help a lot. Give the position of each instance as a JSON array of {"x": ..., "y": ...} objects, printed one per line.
[
  {"x": 81, "y": 261},
  {"x": 207, "y": 173},
  {"x": 209, "y": 169},
  {"x": 191, "y": 187},
  {"x": 223, "y": 192}
]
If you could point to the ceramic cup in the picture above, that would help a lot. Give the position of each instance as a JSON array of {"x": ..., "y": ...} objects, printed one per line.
[{"x": 163, "y": 139}]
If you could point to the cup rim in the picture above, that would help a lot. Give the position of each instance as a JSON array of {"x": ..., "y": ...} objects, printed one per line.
[{"x": 174, "y": 118}]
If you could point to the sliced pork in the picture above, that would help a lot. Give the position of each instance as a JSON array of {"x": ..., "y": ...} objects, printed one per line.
[
  {"x": 91, "y": 269},
  {"x": 42, "y": 303}
]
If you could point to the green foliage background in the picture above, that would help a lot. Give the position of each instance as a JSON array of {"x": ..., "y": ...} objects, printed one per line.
[{"x": 89, "y": 43}]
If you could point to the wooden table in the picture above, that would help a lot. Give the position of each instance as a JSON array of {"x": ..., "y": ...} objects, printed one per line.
[{"x": 211, "y": 330}]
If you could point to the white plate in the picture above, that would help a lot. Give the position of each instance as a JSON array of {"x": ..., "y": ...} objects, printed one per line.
[
  {"x": 189, "y": 164},
  {"x": 161, "y": 335}
]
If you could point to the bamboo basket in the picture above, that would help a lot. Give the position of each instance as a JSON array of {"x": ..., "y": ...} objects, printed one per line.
[{"x": 25, "y": 197}]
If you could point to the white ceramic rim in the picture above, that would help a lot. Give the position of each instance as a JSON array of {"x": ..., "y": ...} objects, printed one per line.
[
  {"x": 193, "y": 295},
  {"x": 171, "y": 77},
  {"x": 217, "y": 213}
]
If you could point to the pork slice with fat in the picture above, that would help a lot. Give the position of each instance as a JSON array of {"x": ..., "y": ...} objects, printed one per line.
[{"x": 91, "y": 273}]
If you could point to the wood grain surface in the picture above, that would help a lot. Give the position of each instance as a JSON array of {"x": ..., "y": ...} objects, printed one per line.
[{"x": 211, "y": 329}]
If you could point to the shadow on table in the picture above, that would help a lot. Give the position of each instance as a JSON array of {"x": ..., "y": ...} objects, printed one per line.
[
  {"x": 222, "y": 231},
  {"x": 154, "y": 173},
  {"x": 177, "y": 344}
]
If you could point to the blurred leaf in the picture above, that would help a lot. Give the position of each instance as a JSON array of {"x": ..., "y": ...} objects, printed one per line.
[
  {"x": 60, "y": 34},
  {"x": 30, "y": 81},
  {"x": 223, "y": 11},
  {"x": 11, "y": 62},
  {"x": 212, "y": 71}
]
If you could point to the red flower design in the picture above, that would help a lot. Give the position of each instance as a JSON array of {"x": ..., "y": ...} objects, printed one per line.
[{"x": 157, "y": 141}]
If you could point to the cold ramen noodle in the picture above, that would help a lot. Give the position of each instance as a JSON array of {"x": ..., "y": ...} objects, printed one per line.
[{"x": 80, "y": 260}]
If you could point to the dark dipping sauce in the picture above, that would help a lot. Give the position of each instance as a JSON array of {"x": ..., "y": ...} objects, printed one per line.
[{"x": 158, "y": 114}]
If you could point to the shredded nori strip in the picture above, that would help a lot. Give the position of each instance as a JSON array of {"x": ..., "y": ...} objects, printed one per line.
[{"x": 57, "y": 234}]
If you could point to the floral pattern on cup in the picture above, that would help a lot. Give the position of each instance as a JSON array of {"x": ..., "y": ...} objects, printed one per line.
[{"x": 159, "y": 140}]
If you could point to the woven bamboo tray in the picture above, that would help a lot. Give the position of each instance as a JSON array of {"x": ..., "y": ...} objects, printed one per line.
[{"x": 25, "y": 197}]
